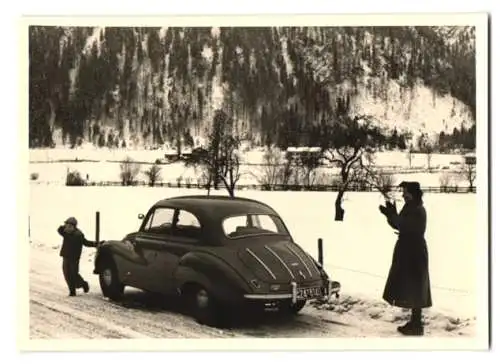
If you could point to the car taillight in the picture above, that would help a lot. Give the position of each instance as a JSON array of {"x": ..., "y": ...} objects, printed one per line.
[
  {"x": 275, "y": 287},
  {"x": 255, "y": 283}
]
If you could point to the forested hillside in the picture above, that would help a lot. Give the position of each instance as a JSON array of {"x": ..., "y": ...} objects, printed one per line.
[{"x": 150, "y": 86}]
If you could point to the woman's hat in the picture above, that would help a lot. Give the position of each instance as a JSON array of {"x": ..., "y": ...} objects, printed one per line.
[{"x": 411, "y": 187}]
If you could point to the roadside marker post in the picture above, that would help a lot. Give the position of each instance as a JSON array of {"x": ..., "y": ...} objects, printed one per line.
[
  {"x": 320, "y": 251},
  {"x": 97, "y": 226}
]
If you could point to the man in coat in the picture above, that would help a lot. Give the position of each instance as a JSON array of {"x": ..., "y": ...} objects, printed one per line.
[
  {"x": 71, "y": 251},
  {"x": 408, "y": 283}
]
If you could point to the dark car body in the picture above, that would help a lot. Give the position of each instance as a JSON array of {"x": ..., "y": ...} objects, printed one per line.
[{"x": 187, "y": 245}]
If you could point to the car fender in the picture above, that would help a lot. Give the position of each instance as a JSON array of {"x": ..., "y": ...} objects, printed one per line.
[
  {"x": 213, "y": 273},
  {"x": 123, "y": 249},
  {"x": 321, "y": 269}
]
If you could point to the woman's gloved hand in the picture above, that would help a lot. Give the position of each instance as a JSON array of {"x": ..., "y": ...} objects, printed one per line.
[
  {"x": 391, "y": 207},
  {"x": 383, "y": 210}
]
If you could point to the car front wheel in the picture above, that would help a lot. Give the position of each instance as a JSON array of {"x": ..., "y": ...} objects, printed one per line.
[{"x": 110, "y": 283}]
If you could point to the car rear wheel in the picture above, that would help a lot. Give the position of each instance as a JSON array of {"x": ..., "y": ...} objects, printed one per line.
[
  {"x": 202, "y": 305},
  {"x": 295, "y": 308},
  {"x": 111, "y": 286}
]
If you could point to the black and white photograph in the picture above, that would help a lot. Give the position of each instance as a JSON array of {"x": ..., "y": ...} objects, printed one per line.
[{"x": 255, "y": 178}]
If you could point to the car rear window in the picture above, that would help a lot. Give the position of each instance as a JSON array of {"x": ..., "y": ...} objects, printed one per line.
[{"x": 252, "y": 224}]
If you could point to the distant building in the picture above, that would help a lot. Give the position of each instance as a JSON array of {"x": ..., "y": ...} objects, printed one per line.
[
  {"x": 470, "y": 158},
  {"x": 171, "y": 155},
  {"x": 297, "y": 151}
]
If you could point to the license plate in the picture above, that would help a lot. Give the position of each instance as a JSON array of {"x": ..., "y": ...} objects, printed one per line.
[{"x": 308, "y": 293}]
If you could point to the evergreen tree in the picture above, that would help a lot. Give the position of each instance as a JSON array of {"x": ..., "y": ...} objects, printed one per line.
[{"x": 279, "y": 80}]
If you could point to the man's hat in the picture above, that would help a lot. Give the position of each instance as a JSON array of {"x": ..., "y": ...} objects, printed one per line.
[{"x": 71, "y": 220}]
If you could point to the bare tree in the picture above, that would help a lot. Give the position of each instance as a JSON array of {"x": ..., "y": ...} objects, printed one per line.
[
  {"x": 309, "y": 163},
  {"x": 445, "y": 182},
  {"x": 229, "y": 166},
  {"x": 273, "y": 169},
  {"x": 129, "y": 170},
  {"x": 322, "y": 178},
  {"x": 382, "y": 182},
  {"x": 425, "y": 145},
  {"x": 344, "y": 144},
  {"x": 221, "y": 160},
  {"x": 409, "y": 155},
  {"x": 468, "y": 173},
  {"x": 153, "y": 174},
  {"x": 428, "y": 150}
]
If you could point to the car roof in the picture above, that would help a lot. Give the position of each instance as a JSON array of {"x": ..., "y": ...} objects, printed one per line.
[{"x": 216, "y": 206}]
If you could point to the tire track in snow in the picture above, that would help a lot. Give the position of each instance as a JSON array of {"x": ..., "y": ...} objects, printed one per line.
[
  {"x": 150, "y": 323},
  {"x": 50, "y": 322},
  {"x": 92, "y": 307},
  {"x": 97, "y": 322}
]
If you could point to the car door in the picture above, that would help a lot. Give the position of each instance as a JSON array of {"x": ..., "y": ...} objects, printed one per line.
[
  {"x": 184, "y": 237},
  {"x": 151, "y": 243}
]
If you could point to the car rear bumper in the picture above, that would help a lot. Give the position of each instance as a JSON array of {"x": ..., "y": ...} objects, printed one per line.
[{"x": 297, "y": 294}]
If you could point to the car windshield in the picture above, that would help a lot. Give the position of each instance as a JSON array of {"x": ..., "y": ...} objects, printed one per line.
[{"x": 252, "y": 224}]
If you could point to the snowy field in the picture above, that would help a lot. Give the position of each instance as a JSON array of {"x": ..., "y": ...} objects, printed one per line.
[
  {"x": 357, "y": 251},
  {"x": 52, "y": 165}
]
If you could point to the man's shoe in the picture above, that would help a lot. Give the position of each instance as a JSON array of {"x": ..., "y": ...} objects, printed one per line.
[
  {"x": 71, "y": 294},
  {"x": 85, "y": 287}
]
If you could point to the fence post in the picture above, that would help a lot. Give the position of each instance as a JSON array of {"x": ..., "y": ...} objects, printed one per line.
[
  {"x": 97, "y": 225},
  {"x": 320, "y": 251}
]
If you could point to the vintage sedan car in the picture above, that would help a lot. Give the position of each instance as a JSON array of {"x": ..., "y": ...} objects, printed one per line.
[{"x": 218, "y": 253}]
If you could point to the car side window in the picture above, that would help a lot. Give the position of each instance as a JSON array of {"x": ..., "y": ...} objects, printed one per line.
[
  {"x": 160, "y": 220},
  {"x": 188, "y": 225},
  {"x": 234, "y": 224},
  {"x": 264, "y": 222}
]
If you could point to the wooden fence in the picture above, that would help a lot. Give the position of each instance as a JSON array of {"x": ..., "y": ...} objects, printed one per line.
[{"x": 289, "y": 187}]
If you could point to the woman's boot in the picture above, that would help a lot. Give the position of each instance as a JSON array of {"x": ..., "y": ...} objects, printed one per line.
[{"x": 415, "y": 327}]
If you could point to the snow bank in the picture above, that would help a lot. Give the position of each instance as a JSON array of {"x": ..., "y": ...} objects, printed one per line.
[{"x": 370, "y": 310}]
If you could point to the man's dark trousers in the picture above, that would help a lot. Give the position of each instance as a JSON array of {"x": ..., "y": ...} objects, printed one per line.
[{"x": 71, "y": 273}]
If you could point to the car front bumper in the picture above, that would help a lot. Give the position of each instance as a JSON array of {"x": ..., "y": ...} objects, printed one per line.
[{"x": 297, "y": 293}]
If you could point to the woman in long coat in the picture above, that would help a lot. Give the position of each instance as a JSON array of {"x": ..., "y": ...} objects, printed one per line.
[{"x": 408, "y": 283}]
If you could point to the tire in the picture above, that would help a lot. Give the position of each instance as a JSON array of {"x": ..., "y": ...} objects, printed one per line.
[
  {"x": 203, "y": 306},
  {"x": 297, "y": 307},
  {"x": 109, "y": 281}
]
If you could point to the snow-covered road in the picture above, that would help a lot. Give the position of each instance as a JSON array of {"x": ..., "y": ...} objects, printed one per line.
[{"x": 54, "y": 315}]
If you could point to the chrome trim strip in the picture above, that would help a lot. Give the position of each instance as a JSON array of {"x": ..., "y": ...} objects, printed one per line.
[
  {"x": 300, "y": 258},
  {"x": 261, "y": 262},
  {"x": 294, "y": 292},
  {"x": 281, "y": 260},
  {"x": 276, "y": 296},
  {"x": 313, "y": 263},
  {"x": 148, "y": 240}
]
